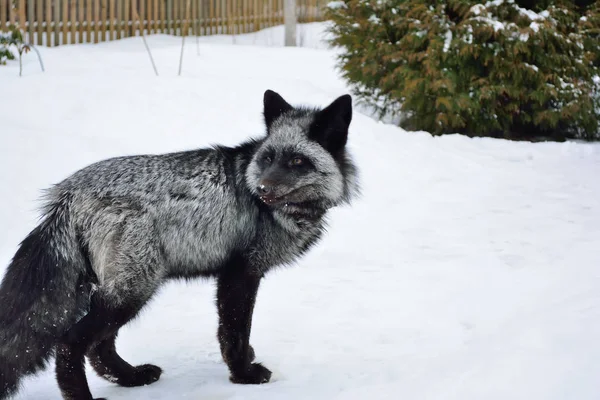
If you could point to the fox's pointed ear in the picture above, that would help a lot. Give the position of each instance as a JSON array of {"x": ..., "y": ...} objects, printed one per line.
[
  {"x": 330, "y": 126},
  {"x": 274, "y": 106}
]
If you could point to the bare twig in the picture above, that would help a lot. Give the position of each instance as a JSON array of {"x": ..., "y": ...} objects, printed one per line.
[
  {"x": 39, "y": 56},
  {"x": 181, "y": 54},
  {"x": 197, "y": 30},
  {"x": 137, "y": 17},
  {"x": 184, "y": 33}
]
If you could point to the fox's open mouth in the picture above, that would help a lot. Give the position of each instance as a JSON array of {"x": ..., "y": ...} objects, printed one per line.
[
  {"x": 290, "y": 204},
  {"x": 288, "y": 198},
  {"x": 269, "y": 199},
  {"x": 272, "y": 200}
]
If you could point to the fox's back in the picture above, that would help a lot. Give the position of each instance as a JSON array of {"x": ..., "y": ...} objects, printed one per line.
[
  {"x": 186, "y": 204},
  {"x": 148, "y": 177}
]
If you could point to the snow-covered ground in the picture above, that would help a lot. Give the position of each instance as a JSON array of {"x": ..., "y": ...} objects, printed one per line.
[{"x": 469, "y": 269}]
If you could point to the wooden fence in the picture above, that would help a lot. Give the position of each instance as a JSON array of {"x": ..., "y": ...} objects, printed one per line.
[{"x": 55, "y": 22}]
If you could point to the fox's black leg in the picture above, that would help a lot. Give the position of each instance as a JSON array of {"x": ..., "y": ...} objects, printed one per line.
[
  {"x": 110, "y": 366},
  {"x": 236, "y": 295},
  {"x": 101, "y": 322},
  {"x": 70, "y": 372}
]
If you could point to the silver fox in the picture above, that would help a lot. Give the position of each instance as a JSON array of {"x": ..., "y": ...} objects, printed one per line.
[{"x": 115, "y": 231}]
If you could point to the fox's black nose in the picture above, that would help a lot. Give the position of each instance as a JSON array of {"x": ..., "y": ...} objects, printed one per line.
[{"x": 264, "y": 189}]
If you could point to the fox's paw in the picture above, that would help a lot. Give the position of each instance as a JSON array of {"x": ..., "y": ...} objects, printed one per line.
[
  {"x": 142, "y": 375},
  {"x": 147, "y": 374},
  {"x": 253, "y": 374}
]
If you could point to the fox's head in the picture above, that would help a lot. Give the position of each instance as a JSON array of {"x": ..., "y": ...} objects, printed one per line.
[{"x": 302, "y": 164}]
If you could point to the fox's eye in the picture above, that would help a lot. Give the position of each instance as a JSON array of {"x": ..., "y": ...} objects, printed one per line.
[
  {"x": 268, "y": 159},
  {"x": 297, "y": 161}
]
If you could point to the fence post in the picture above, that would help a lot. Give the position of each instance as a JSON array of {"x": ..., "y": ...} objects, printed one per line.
[
  {"x": 31, "y": 19},
  {"x": 289, "y": 20}
]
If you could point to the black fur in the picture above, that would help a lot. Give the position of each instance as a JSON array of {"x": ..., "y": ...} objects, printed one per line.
[
  {"x": 95, "y": 335},
  {"x": 110, "y": 366},
  {"x": 274, "y": 106},
  {"x": 36, "y": 281},
  {"x": 237, "y": 286},
  {"x": 330, "y": 127}
]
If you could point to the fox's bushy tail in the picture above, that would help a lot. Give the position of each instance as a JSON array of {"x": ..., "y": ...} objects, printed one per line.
[{"x": 44, "y": 291}]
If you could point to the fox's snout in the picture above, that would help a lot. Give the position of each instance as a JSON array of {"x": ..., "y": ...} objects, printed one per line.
[
  {"x": 266, "y": 187},
  {"x": 271, "y": 190},
  {"x": 275, "y": 182}
]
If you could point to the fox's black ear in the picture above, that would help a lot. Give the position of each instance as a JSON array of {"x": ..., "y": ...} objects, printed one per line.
[
  {"x": 274, "y": 106},
  {"x": 330, "y": 127}
]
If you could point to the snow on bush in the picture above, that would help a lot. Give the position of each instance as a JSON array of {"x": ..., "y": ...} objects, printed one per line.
[
  {"x": 5, "y": 53},
  {"x": 499, "y": 68}
]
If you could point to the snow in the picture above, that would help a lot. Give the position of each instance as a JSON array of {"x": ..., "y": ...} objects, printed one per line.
[
  {"x": 533, "y": 67},
  {"x": 477, "y": 9},
  {"x": 468, "y": 269},
  {"x": 497, "y": 3},
  {"x": 494, "y": 23},
  {"x": 532, "y": 15},
  {"x": 334, "y": 5},
  {"x": 447, "y": 40},
  {"x": 481, "y": 13},
  {"x": 374, "y": 19},
  {"x": 534, "y": 26},
  {"x": 468, "y": 37}
]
